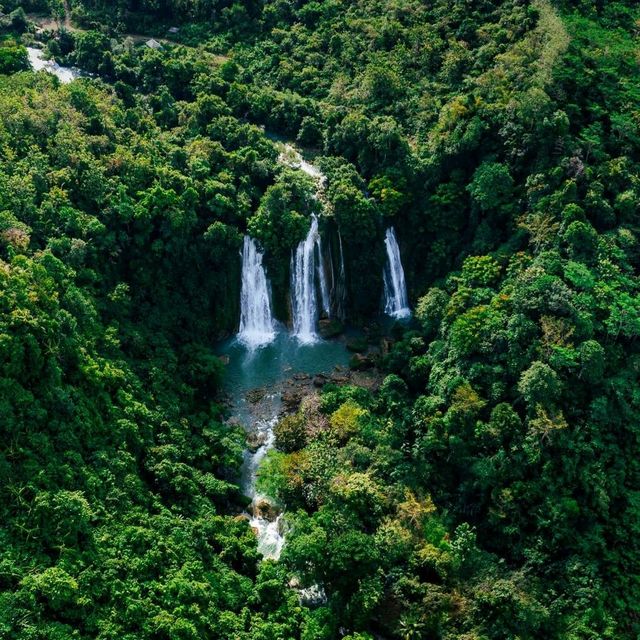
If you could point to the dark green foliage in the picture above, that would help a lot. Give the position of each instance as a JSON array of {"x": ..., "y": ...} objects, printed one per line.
[
  {"x": 117, "y": 495},
  {"x": 291, "y": 433},
  {"x": 13, "y": 57},
  {"x": 488, "y": 487}
]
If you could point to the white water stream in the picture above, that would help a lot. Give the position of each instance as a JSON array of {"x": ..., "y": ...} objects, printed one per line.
[
  {"x": 255, "y": 380},
  {"x": 38, "y": 63},
  {"x": 291, "y": 157},
  {"x": 268, "y": 529}
]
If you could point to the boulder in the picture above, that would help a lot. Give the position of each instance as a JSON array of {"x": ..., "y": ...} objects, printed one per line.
[
  {"x": 242, "y": 517},
  {"x": 255, "y": 395},
  {"x": 360, "y": 362},
  {"x": 255, "y": 440},
  {"x": 339, "y": 378},
  {"x": 291, "y": 399},
  {"x": 320, "y": 380},
  {"x": 330, "y": 327},
  {"x": 264, "y": 509}
]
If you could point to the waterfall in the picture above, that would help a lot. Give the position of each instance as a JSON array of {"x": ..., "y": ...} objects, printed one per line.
[
  {"x": 322, "y": 278},
  {"x": 395, "y": 289},
  {"x": 303, "y": 286},
  {"x": 332, "y": 272},
  {"x": 256, "y": 322},
  {"x": 341, "y": 256},
  {"x": 307, "y": 264}
]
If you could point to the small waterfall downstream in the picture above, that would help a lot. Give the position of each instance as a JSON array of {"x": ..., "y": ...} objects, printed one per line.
[
  {"x": 396, "y": 303},
  {"x": 256, "y": 321},
  {"x": 304, "y": 307},
  {"x": 38, "y": 63},
  {"x": 268, "y": 529}
]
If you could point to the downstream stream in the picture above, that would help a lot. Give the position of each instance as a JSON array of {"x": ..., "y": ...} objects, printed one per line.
[
  {"x": 255, "y": 381},
  {"x": 39, "y": 63}
]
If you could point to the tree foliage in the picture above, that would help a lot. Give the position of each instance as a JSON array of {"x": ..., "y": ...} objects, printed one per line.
[{"x": 488, "y": 487}]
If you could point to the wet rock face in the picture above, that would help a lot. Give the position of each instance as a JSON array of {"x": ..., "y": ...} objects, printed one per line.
[
  {"x": 313, "y": 596},
  {"x": 242, "y": 517},
  {"x": 330, "y": 328},
  {"x": 255, "y": 440},
  {"x": 319, "y": 381},
  {"x": 360, "y": 362},
  {"x": 291, "y": 399}
]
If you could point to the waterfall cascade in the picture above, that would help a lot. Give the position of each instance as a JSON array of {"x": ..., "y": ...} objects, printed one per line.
[
  {"x": 304, "y": 306},
  {"x": 38, "y": 63},
  {"x": 396, "y": 302},
  {"x": 256, "y": 321},
  {"x": 338, "y": 291},
  {"x": 341, "y": 285},
  {"x": 309, "y": 257},
  {"x": 268, "y": 531}
]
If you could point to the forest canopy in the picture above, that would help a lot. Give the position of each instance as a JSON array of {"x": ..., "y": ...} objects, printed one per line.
[{"x": 488, "y": 487}]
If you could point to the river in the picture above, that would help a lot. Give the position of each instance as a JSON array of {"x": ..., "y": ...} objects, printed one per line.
[{"x": 255, "y": 379}]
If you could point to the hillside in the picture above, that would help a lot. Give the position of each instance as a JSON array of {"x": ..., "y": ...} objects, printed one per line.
[{"x": 480, "y": 479}]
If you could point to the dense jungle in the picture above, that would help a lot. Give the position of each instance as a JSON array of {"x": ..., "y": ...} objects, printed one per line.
[{"x": 319, "y": 319}]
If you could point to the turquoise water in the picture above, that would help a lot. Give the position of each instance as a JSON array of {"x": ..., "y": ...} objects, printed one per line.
[{"x": 268, "y": 365}]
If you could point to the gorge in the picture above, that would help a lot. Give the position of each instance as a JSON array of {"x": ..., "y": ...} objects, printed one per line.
[{"x": 282, "y": 355}]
